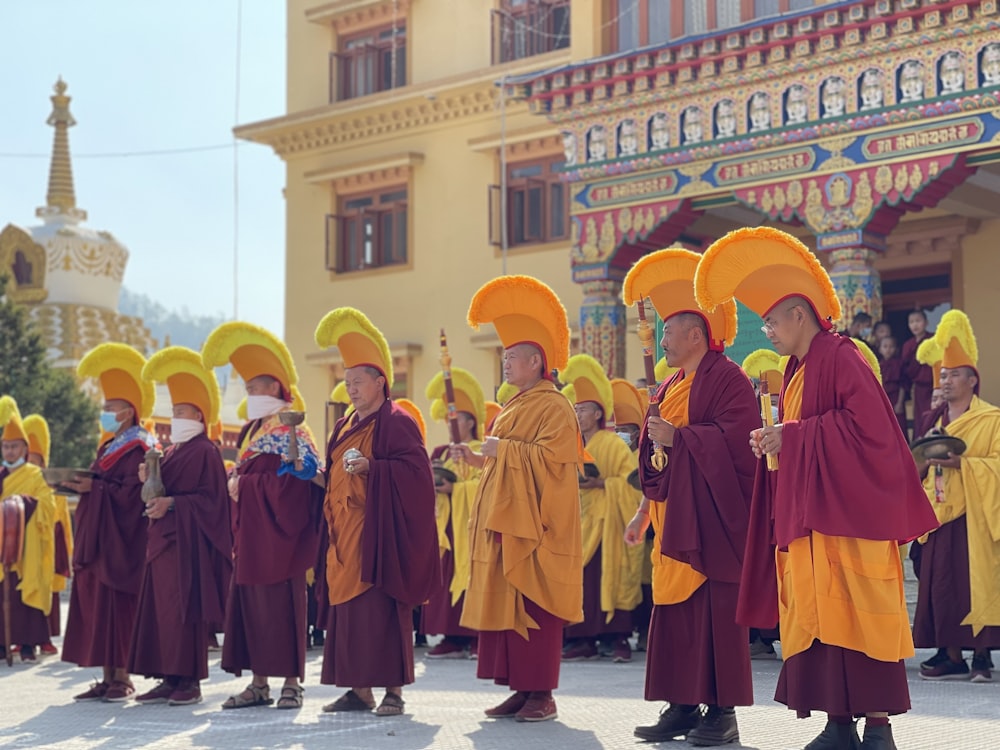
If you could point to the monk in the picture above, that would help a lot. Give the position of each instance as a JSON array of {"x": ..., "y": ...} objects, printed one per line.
[
  {"x": 31, "y": 578},
  {"x": 526, "y": 578},
  {"x": 382, "y": 560},
  {"x": 893, "y": 379},
  {"x": 189, "y": 547},
  {"x": 697, "y": 654},
  {"x": 918, "y": 380}
]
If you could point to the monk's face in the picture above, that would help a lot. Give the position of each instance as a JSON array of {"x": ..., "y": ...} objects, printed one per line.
[
  {"x": 917, "y": 323},
  {"x": 14, "y": 450},
  {"x": 522, "y": 366},
  {"x": 958, "y": 384},
  {"x": 123, "y": 410},
  {"x": 466, "y": 426},
  {"x": 681, "y": 339},
  {"x": 588, "y": 414},
  {"x": 365, "y": 389},
  {"x": 187, "y": 411},
  {"x": 936, "y": 398},
  {"x": 264, "y": 385},
  {"x": 783, "y": 328}
]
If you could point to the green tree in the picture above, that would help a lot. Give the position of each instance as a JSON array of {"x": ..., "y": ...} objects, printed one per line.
[{"x": 38, "y": 388}]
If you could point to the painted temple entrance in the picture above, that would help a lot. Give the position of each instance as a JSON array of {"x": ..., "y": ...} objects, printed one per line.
[{"x": 871, "y": 130}]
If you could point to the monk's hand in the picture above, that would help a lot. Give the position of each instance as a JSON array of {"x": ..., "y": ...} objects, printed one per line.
[
  {"x": 635, "y": 532},
  {"x": 952, "y": 462},
  {"x": 755, "y": 442},
  {"x": 142, "y": 473},
  {"x": 770, "y": 440},
  {"x": 491, "y": 446},
  {"x": 158, "y": 507},
  {"x": 444, "y": 486},
  {"x": 357, "y": 465},
  {"x": 661, "y": 431},
  {"x": 592, "y": 483},
  {"x": 80, "y": 484},
  {"x": 233, "y": 485},
  {"x": 462, "y": 453}
]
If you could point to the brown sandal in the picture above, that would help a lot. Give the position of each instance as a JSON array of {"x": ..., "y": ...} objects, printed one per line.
[
  {"x": 259, "y": 696},
  {"x": 391, "y": 705},
  {"x": 349, "y": 701},
  {"x": 291, "y": 696}
]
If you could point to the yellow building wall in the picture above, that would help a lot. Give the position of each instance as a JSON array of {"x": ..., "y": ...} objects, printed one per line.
[{"x": 977, "y": 292}]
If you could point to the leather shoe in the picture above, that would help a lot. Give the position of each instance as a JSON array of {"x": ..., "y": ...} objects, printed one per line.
[
  {"x": 717, "y": 727},
  {"x": 509, "y": 707},
  {"x": 675, "y": 721},
  {"x": 836, "y": 737},
  {"x": 540, "y": 706},
  {"x": 878, "y": 738}
]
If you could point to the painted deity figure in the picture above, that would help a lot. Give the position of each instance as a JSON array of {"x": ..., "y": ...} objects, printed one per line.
[
  {"x": 597, "y": 143},
  {"x": 691, "y": 126},
  {"x": 569, "y": 147},
  {"x": 833, "y": 97},
  {"x": 658, "y": 132},
  {"x": 796, "y": 106},
  {"x": 989, "y": 65},
  {"x": 628, "y": 138},
  {"x": 760, "y": 112},
  {"x": 951, "y": 73},
  {"x": 872, "y": 91},
  {"x": 725, "y": 119},
  {"x": 911, "y": 81}
]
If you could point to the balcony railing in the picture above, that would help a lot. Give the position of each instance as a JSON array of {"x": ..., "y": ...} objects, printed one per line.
[{"x": 522, "y": 28}]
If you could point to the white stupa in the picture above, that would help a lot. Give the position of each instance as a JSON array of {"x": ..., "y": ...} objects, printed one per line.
[{"x": 68, "y": 275}]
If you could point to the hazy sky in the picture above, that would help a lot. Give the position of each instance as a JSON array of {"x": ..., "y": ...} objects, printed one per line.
[{"x": 148, "y": 77}]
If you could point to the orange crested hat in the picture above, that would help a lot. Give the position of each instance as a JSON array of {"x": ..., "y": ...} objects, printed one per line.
[
  {"x": 761, "y": 266},
  {"x": 187, "y": 379},
  {"x": 589, "y": 383},
  {"x": 764, "y": 364},
  {"x": 360, "y": 343},
  {"x": 930, "y": 353},
  {"x": 253, "y": 351},
  {"x": 630, "y": 405},
  {"x": 468, "y": 397},
  {"x": 524, "y": 311},
  {"x": 414, "y": 411},
  {"x": 118, "y": 369},
  {"x": 39, "y": 440},
  {"x": 957, "y": 341},
  {"x": 10, "y": 421},
  {"x": 667, "y": 278},
  {"x": 492, "y": 409}
]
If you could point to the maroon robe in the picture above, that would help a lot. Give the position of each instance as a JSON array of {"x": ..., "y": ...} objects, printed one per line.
[
  {"x": 696, "y": 653},
  {"x": 188, "y": 566},
  {"x": 369, "y": 638},
  {"x": 892, "y": 384},
  {"x": 28, "y": 626},
  {"x": 275, "y": 532},
  {"x": 916, "y": 376},
  {"x": 63, "y": 568},
  {"x": 439, "y": 616},
  {"x": 594, "y": 622},
  {"x": 110, "y": 546},
  {"x": 844, "y": 470}
]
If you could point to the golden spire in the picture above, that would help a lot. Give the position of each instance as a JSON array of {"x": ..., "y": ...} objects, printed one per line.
[{"x": 61, "y": 199}]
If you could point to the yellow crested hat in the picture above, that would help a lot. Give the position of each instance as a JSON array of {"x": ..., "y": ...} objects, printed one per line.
[
  {"x": 187, "y": 379},
  {"x": 118, "y": 368},
  {"x": 663, "y": 371},
  {"x": 339, "y": 393},
  {"x": 241, "y": 410},
  {"x": 414, "y": 411},
  {"x": 630, "y": 405},
  {"x": 761, "y": 266},
  {"x": 298, "y": 401},
  {"x": 253, "y": 352},
  {"x": 505, "y": 393},
  {"x": 764, "y": 364},
  {"x": 492, "y": 409},
  {"x": 468, "y": 397},
  {"x": 930, "y": 353},
  {"x": 589, "y": 382},
  {"x": 39, "y": 440},
  {"x": 957, "y": 341},
  {"x": 360, "y": 343},
  {"x": 871, "y": 359},
  {"x": 216, "y": 431},
  {"x": 524, "y": 311},
  {"x": 10, "y": 420},
  {"x": 667, "y": 278}
]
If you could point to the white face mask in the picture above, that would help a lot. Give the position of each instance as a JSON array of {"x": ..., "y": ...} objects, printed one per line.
[
  {"x": 774, "y": 413},
  {"x": 182, "y": 430},
  {"x": 626, "y": 436},
  {"x": 259, "y": 407}
]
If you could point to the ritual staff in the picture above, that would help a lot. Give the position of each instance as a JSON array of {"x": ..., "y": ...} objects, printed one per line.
[
  {"x": 379, "y": 510},
  {"x": 958, "y": 600},
  {"x": 844, "y": 628},
  {"x": 526, "y": 572},
  {"x": 611, "y": 570},
  {"x": 31, "y": 576},
  {"x": 189, "y": 548},
  {"x": 110, "y": 543},
  {"x": 698, "y": 500},
  {"x": 39, "y": 444},
  {"x": 275, "y": 520},
  {"x": 456, "y": 485},
  {"x": 917, "y": 376}
]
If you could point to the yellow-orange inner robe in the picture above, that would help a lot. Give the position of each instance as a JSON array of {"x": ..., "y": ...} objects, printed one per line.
[
  {"x": 37, "y": 565},
  {"x": 458, "y": 509}
]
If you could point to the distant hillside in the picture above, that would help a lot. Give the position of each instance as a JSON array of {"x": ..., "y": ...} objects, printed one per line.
[{"x": 183, "y": 328}]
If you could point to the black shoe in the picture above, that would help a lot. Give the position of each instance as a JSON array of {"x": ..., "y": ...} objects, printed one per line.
[
  {"x": 717, "y": 727},
  {"x": 939, "y": 658},
  {"x": 675, "y": 721},
  {"x": 878, "y": 738},
  {"x": 836, "y": 737}
]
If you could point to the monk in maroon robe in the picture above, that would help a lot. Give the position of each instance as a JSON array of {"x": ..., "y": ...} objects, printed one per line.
[
  {"x": 917, "y": 376},
  {"x": 383, "y": 556},
  {"x": 275, "y": 523},
  {"x": 108, "y": 554},
  {"x": 188, "y": 566},
  {"x": 893, "y": 379},
  {"x": 696, "y": 653}
]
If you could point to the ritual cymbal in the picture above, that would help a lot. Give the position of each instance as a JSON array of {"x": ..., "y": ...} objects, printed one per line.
[
  {"x": 441, "y": 473},
  {"x": 936, "y": 446}
]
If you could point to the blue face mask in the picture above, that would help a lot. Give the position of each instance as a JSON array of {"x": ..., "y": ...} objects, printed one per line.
[
  {"x": 109, "y": 421},
  {"x": 11, "y": 466}
]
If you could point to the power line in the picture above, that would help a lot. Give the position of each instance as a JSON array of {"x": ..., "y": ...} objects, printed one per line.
[
  {"x": 236, "y": 165},
  {"x": 123, "y": 154}
]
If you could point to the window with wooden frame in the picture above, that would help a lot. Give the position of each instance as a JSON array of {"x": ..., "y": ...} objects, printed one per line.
[
  {"x": 368, "y": 62},
  {"x": 537, "y": 204},
  {"x": 522, "y": 28},
  {"x": 638, "y": 23},
  {"x": 369, "y": 231}
]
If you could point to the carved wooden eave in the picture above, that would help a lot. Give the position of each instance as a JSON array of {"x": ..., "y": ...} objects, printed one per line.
[
  {"x": 541, "y": 139},
  {"x": 387, "y": 114},
  {"x": 369, "y": 172},
  {"x": 354, "y": 15}
]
